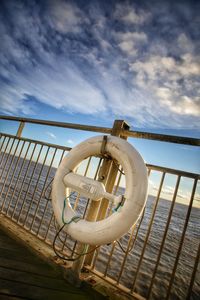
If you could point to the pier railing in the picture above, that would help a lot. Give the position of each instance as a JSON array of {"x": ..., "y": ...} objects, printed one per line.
[{"x": 157, "y": 258}]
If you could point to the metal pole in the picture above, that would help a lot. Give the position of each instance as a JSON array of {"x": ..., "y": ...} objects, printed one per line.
[{"x": 20, "y": 129}]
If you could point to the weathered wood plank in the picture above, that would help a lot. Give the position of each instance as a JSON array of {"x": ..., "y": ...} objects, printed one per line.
[
  {"x": 21, "y": 255},
  {"x": 28, "y": 267},
  {"x": 36, "y": 280},
  {"x": 7, "y": 297},
  {"x": 23, "y": 275},
  {"x": 37, "y": 293}
]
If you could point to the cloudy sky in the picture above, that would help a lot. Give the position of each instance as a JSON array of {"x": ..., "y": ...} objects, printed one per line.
[
  {"x": 95, "y": 61},
  {"x": 136, "y": 60}
]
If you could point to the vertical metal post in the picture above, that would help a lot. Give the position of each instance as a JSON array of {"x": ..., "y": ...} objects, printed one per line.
[
  {"x": 20, "y": 129},
  {"x": 97, "y": 210}
]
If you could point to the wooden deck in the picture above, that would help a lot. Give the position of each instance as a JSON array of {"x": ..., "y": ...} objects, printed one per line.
[{"x": 23, "y": 275}]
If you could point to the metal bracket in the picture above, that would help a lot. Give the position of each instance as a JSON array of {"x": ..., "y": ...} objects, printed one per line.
[
  {"x": 103, "y": 152},
  {"x": 103, "y": 145}
]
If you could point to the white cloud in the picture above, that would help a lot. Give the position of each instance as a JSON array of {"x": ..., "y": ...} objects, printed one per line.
[
  {"x": 66, "y": 17},
  {"x": 70, "y": 142},
  {"x": 128, "y": 47},
  {"x": 185, "y": 43},
  {"x": 12, "y": 101},
  {"x": 52, "y": 135},
  {"x": 133, "y": 17},
  {"x": 61, "y": 86},
  {"x": 168, "y": 81},
  {"x": 187, "y": 106},
  {"x": 189, "y": 66},
  {"x": 127, "y": 14},
  {"x": 130, "y": 42}
]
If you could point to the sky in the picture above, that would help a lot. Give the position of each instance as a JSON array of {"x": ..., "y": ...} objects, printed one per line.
[{"x": 91, "y": 62}]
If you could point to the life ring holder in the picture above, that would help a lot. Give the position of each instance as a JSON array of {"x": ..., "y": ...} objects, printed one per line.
[{"x": 117, "y": 224}]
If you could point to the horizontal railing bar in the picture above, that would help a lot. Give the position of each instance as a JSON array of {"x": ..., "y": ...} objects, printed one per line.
[
  {"x": 162, "y": 137},
  {"x": 38, "y": 142},
  {"x": 59, "y": 124},
  {"x": 113, "y": 283},
  {"x": 152, "y": 167},
  {"x": 174, "y": 171},
  {"x": 107, "y": 130}
]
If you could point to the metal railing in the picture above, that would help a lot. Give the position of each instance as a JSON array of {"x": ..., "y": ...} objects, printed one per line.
[{"x": 157, "y": 258}]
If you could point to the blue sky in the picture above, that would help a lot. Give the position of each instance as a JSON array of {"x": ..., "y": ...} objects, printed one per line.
[{"x": 91, "y": 62}]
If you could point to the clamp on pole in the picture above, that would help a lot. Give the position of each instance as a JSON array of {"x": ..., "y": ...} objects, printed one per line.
[{"x": 103, "y": 145}]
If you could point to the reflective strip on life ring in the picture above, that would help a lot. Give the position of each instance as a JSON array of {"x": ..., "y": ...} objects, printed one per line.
[{"x": 116, "y": 225}]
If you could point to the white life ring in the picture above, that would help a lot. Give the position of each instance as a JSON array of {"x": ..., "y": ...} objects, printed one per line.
[{"x": 116, "y": 225}]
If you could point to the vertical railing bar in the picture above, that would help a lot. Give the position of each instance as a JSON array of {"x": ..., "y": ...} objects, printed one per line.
[
  {"x": 95, "y": 258},
  {"x": 76, "y": 201},
  {"x": 18, "y": 177},
  {"x": 4, "y": 153},
  {"x": 148, "y": 232},
  {"x": 8, "y": 156},
  {"x": 13, "y": 174},
  {"x": 126, "y": 254},
  {"x": 63, "y": 152},
  {"x": 116, "y": 188},
  {"x": 87, "y": 167},
  {"x": 118, "y": 180},
  {"x": 52, "y": 215},
  {"x": 9, "y": 167},
  {"x": 42, "y": 194},
  {"x": 30, "y": 184},
  {"x": 35, "y": 189},
  {"x": 86, "y": 207},
  {"x": 138, "y": 228},
  {"x": 109, "y": 170},
  {"x": 109, "y": 258},
  {"x": 182, "y": 238},
  {"x": 27, "y": 170},
  {"x": 4, "y": 137},
  {"x": 46, "y": 234},
  {"x": 193, "y": 273},
  {"x": 164, "y": 235},
  {"x": 78, "y": 194},
  {"x": 98, "y": 167}
]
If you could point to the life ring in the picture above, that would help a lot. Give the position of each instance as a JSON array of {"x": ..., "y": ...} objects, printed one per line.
[{"x": 116, "y": 225}]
